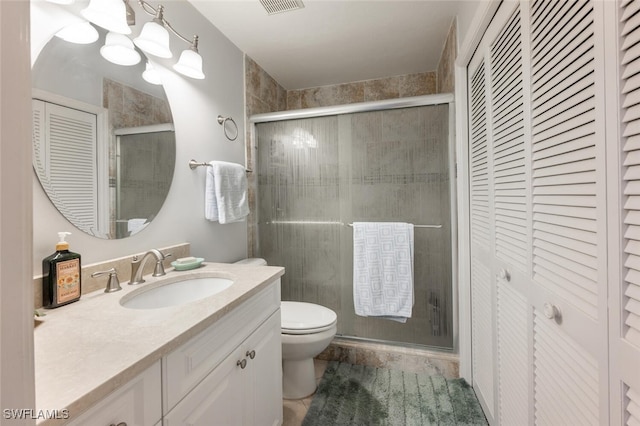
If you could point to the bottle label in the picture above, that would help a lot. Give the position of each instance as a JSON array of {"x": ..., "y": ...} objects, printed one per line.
[{"x": 68, "y": 273}]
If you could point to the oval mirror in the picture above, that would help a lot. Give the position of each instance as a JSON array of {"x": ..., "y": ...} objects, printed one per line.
[{"x": 104, "y": 144}]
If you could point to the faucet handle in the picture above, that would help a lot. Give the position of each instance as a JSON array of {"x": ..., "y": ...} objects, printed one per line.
[
  {"x": 158, "y": 270},
  {"x": 113, "y": 284}
]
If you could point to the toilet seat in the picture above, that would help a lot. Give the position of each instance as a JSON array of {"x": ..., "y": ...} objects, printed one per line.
[{"x": 306, "y": 318}]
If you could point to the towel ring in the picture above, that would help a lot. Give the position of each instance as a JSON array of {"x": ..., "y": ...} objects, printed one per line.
[{"x": 228, "y": 129}]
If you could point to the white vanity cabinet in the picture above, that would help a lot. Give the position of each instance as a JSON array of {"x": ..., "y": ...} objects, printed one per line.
[
  {"x": 240, "y": 390},
  {"x": 231, "y": 373},
  {"x": 137, "y": 403}
]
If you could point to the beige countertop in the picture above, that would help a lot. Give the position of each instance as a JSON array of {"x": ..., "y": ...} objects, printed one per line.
[{"x": 86, "y": 350}]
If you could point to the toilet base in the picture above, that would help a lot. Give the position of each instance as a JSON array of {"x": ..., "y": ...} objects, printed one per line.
[{"x": 298, "y": 378}]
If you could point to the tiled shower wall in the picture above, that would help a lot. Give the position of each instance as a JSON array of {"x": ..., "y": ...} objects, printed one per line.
[{"x": 264, "y": 94}]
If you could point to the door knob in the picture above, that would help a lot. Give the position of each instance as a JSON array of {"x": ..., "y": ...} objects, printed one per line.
[
  {"x": 251, "y": 354},
  {"x": 242, "y": 363},
  {"x": 504, "y": 275},
  {"x": 551, "y": 311}
]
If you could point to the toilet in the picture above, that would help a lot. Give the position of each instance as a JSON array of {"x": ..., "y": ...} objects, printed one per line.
[{"x": 307, "y": 329}]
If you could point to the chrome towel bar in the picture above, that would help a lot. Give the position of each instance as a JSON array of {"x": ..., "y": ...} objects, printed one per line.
[
  {"x": 415, "y": 226},
  {"x": 193, "y": 164},
  {"x": 312, "y": 222}
]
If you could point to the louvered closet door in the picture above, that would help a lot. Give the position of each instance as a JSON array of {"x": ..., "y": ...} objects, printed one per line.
[
  {"x": 569, "y": 292},
  {"x": 482, "y": 288},
  {"x": 625, "y": 339},
  {"x": 511, "y": 181}
]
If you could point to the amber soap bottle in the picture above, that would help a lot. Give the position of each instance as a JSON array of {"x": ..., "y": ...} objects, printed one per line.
[{"x": 61, "y": 278}]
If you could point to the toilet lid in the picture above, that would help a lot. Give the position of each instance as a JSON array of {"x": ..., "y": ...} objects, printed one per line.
[{"x": 305, "y": 318}]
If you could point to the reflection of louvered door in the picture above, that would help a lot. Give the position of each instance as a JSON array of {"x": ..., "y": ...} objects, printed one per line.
[
  {"x": 625, "y": 339},
  {"x": 543, "y": 280},
  {"x": 65, "y": 158}
]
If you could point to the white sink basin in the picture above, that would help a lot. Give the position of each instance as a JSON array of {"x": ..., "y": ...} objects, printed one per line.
[{"x": 175, "y": 293}]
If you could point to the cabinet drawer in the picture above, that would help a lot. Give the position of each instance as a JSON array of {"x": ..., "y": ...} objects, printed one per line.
[
  {"x": 137, "y": 403},
  {"x": 185, "y": 367}
]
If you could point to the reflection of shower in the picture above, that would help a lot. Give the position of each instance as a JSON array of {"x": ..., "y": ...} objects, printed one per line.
[
  {"x": 317, "y": 174},
  {"x": 139, "y": 181}
]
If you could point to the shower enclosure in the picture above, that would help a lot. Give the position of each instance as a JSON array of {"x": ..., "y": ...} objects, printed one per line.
[{"x": 320, "y": 170}]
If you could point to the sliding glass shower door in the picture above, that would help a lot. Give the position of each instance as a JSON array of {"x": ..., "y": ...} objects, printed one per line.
[{"x": 317, "y": 175}]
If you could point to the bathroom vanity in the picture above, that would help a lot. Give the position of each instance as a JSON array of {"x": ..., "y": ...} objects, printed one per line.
[{"x": 216, "y": 360}]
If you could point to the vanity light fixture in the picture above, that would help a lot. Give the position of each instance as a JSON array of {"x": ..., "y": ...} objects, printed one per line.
[
  {"x": 108, "y": 14},
  {"x": 119, "y": 49},
  {"x": 154, "y": 40},
  {"x": 79, "y": 33},
  {"x": 116, "y": 16},
  {"x": 151, "y": 75},
  {"x": 190, "y": 62},
  {"x": 154, "y": 37}
]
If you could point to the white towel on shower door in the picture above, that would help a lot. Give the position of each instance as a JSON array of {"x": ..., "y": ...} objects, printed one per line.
[{"x": 383, "y": 269}]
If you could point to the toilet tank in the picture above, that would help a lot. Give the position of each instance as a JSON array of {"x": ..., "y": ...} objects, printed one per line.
[{"x": 252, "y": 261}]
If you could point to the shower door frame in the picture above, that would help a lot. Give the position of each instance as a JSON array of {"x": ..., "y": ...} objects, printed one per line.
[{"x": 390, "y": 104}]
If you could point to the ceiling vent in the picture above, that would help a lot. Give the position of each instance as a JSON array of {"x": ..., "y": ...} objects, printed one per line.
[{"x": 279, "y": 6}]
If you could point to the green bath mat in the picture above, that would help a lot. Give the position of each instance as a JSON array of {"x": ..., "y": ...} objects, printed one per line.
[{"x": 360, "y": 395}]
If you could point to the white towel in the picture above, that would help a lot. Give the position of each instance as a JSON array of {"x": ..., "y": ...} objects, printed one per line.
[
  {"x": 136, "y": 225},
  {"x": 383, "y": 270},
  {"x": 225, "y": 198}
]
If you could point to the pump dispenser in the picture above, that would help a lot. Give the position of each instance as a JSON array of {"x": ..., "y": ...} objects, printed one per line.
[{"x": 61, "y": 278}]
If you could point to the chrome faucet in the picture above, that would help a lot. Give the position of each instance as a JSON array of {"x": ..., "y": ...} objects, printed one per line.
[{"x": 137, "y": 266}]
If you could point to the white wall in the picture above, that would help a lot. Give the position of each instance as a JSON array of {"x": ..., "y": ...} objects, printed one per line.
[{"x": 195, "y": 104}]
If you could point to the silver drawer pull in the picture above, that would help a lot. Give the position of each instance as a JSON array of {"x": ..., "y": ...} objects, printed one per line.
[
  {"x": 251, "y": 354},
  {"x": 242, "y": 363}
]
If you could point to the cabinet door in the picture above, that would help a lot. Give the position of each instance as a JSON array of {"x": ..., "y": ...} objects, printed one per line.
[
  {"x": 137, "y": 403},
  {"x": 244, "y": 389},
  {"x": 263, "y": 352},
  {"x": 189, "y": 364},
  {"x": 218, "y": 400}
]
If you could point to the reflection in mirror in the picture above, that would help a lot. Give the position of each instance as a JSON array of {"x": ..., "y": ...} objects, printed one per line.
[{"x": 104, "y": 144}]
